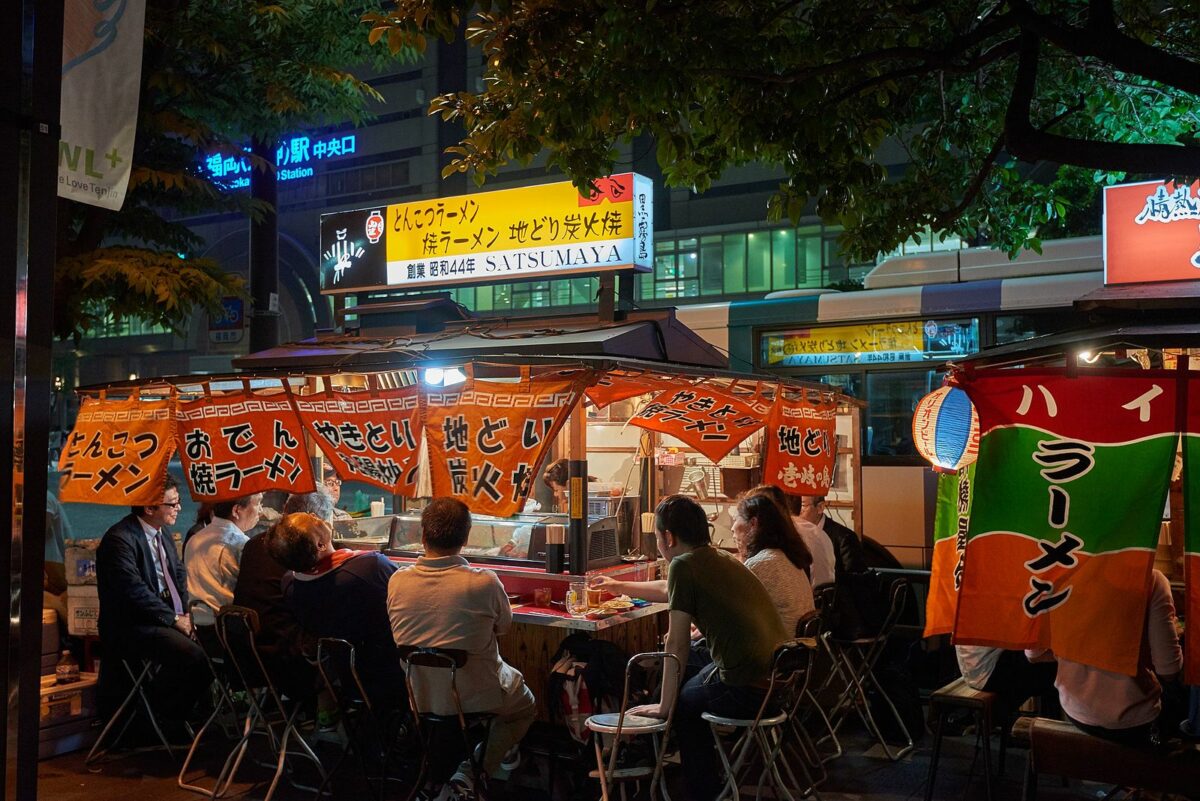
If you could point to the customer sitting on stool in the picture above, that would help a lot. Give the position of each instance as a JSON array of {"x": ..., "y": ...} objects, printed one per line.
[
  {"x": 143, "y": 604},
  {"x": 712, "y": 589},
  {"x": 443, "y": 601}
]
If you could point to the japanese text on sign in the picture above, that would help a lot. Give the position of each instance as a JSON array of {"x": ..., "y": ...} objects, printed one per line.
[
  {"x": 801, "y": 446},
  {"x": 710, "y": 421},
  {"x": 118, "y": 452}
]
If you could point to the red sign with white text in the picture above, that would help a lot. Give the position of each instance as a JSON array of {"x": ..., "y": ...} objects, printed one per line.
[{"x": 1151, "y": 233}]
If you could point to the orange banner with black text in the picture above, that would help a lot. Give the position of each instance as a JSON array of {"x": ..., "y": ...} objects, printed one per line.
[
  {"x": 118, "y": 452},
  {"x": 487, "y": 439},
  {"x": 801, "y": 443}
]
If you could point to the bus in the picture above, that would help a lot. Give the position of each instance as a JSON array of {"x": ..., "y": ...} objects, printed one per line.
[{"x": 889, "y": 343}]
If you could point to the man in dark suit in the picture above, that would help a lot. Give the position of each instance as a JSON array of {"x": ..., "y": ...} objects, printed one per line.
[
  {"x": 847, "y": 547},
  {"x": 143, "y": 611}
]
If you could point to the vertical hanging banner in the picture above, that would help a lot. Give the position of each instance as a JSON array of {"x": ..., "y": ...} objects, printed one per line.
[
  {"x": 118, "y": 452},
  {"x": 241, "y": 443},
  {"x": 1065, "y": 511},
  {"x": 801, "y": 445},
  {"x": 702, "y": 416},
  {"x": 487, "y": 439},
  {"x": 952, "y": 516},
  {"x": 101, "y": 82},
  {"x": 1191, "y": 539},
  {"x": 369, "y": 436}
]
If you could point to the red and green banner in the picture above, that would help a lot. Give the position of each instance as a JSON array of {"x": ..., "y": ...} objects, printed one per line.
[
  {"x": 1069, "y": 489},
  {"x": 952, "y": 515},
  {"x": 1191, "y": 538}
]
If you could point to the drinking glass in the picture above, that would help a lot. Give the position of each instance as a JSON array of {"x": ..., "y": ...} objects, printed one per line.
[
  {"x": 595, "y": 594},
  {"x": 577, "y": 599}
]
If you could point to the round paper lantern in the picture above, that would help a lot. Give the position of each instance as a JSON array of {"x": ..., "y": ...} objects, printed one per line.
[{"x": 946, "y": 429}]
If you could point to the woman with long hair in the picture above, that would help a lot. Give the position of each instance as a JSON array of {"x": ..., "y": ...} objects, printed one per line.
[{"x": 769, "y": 545}]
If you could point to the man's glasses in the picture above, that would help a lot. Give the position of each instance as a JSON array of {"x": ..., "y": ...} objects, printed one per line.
[
  {"x": 172, "y": 504},
  {"x": 333, "y": 482}
]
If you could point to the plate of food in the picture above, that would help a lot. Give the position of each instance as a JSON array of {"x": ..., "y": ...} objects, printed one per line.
[{"x": 621, "y": 604}]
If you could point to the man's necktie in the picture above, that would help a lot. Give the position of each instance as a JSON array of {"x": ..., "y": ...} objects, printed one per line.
[{"x": 168, "y": 581}]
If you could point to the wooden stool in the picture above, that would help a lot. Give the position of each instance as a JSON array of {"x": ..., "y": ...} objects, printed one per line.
[{"x": 958, "y": 695}]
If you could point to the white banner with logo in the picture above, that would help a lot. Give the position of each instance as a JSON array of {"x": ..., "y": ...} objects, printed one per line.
[{"x": 101, "y": 80}]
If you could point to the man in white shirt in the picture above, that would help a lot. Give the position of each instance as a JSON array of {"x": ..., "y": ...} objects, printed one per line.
[
  {"x": 213, "y": 553},
  {"x": 444, "y": 602}
]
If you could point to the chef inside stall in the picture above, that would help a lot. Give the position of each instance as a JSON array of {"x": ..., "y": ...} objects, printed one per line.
[{"x": 555, "y": 479}]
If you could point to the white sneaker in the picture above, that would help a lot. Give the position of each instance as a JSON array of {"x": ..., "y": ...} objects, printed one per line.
[
  {"x": 511, "y": 760},
  {"x": 462, "y": 783}
]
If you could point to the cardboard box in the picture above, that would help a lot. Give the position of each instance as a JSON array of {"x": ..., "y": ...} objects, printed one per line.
[
  {"x": 83, "y": 609},
  {"x": 65, "y": 703},
  {"x": 80, "y": 564}
]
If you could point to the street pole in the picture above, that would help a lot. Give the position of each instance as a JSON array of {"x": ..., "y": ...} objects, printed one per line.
[{"x": 264, "y": 253}]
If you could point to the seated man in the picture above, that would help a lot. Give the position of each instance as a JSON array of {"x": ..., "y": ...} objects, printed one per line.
[
  {"x": 444, "y": 602},
  {"x": 212, "y": 555},
  {"x": 1010, "y": 675},
  {"x": 848, "y": 553},
  {"x": 143, "y": 604},
  {"x": 711, "y": 588},
  {"x": 341, "y": 594}
]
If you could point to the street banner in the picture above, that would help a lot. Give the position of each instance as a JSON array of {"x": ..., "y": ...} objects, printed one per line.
[
  {"x": 1070, "y": 484},
  {"x": 801, "y": 444},
  {"x": 951, "y": 518},
  {"x": 240, "y": 443},
  {"x": 702, "y": 416},
  {"x": 1191, "y": 539},
  {"x": 118, "y": 452},
  {"x": 488, "y": 439},
  {"x": 612, "y": 387},
  {"x": 371, "y": 436},
  {"x": 101, "y": 81}
]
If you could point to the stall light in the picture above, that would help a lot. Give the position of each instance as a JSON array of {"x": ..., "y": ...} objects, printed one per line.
[
  {"x": 436, "y": 376},
  {"x": 133, "y": 376},
  {"x": 1088, "y": 357}
]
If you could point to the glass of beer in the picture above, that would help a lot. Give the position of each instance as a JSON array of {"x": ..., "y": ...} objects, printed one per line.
[
  {"x": 595, "y": 594},
  {"x": 577, "y": 599}
]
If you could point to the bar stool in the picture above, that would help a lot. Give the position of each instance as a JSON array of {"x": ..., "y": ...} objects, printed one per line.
[
  {"x": 764, "y": 733},
  {"x": 139, "y": 677},
  {"x": 622, "y": 724},
  {"x": 959, "y": 695},
  {"x": 427, "y": 723}
]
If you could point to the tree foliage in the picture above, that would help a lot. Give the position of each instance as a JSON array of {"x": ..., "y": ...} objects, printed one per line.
[
  {"x": 1009, "y": 113},
  {"x": 214, "y": 76}
]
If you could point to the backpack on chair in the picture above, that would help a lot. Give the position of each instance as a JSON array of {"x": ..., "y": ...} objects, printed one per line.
[{"x": 587, "y": 678}]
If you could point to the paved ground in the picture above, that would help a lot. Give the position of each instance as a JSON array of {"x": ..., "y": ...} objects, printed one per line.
[{"x": 151, "y": 776}]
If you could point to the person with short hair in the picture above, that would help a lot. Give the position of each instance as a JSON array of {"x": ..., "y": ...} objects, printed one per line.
[
  {"x": 213, "y": 554},
  {"x": 342, "y": 597},
  {"x": 848, "y": 553},
  {"x": 712, "y": 589},
  {"x": 442, "y": 601},
  {"x": 769, "y": 545},
  {"x": 143, "y": 594}
]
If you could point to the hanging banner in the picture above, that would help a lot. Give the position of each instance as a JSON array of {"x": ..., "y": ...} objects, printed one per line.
[
  {"x": 118, "y": 452},
  {"x": 1065, "y": 511},
  {"x": 701, "y": 416},
  {"x": 613, "y": 387},
  {"x": 1191, "y": 538},
  {"x": 801, "y": 445},
  {"x": 487, "y": 439},
  {"x": 101, "y": 82},
  {"x": 369, "y": 436},
  {"x": 241, "y": 443},
  {"x": 953, "y": 514}
]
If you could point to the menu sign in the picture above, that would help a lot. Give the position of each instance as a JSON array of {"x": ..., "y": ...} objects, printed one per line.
[
  {"x": 118, "y": 452},
  {"x": 546, "y": 231},
  {"x": 801, "y": 446},
  {"x": 1151, "y": 232}
]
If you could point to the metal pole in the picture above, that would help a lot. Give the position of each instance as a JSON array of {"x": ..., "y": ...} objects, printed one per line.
[
  {"x": 577, "y": 475},
  {"x": 264, "y": 254}
]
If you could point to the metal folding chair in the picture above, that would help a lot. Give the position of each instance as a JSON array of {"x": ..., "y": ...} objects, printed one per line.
[
  {"x": 369, "y": 732},
  {"x": 204, "y": 628},
  {"x": 799, "y": 746},
  {"x": 854, "y": 661},
  {"x": 237, "y": 629},
  {"x": 762, "y": 736},
  {"x": 427, "y": 723},
  {"x": 622, "y": 724},
  {"x": 128, "y": 711}
]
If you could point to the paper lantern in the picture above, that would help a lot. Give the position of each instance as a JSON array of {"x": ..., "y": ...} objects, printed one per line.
[{"x": 946, "y": 429}]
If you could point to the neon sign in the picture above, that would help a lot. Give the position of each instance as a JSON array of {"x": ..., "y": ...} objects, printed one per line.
[{"x": 292, "y": 160}]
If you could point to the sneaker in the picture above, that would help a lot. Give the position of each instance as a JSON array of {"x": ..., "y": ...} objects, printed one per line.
[
  {"x": 462, "y": 783},
  {"x": 436, "y": 793},
  {"x": 511, "y": 760}
]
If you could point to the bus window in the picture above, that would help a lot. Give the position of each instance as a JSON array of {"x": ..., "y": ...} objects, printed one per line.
[
  {"x": 892, "y": 396},
  {"x": 1017, "y": 327}
]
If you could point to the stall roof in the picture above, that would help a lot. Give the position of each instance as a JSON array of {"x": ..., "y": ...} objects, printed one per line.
[
  {"x": 1163, "y": 295},
  {"x": 653, "y": 337},
  {"x": 1140, "y": 335}
]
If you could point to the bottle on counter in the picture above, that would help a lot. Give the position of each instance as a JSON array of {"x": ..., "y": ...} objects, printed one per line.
[{"x": 67, "y": 669}]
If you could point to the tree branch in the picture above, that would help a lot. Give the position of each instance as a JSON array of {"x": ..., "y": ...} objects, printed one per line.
[
  {"x": 1102, "y": 40},
  {"x": 1031, "y": 144},
  {"x": 943, "y": 219}
]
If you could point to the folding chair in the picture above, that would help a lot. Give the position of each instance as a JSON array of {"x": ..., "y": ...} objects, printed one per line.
[
  {"x": 139, "y": 678},
  {"x": 825, "y": 601},
  {"x": 854, "y": 661},
  {"x": 798, "y": 743},
  {"x": 622, "y": 724},
  {"x": 204, "y": 628},
  {"x": 237, "y": 629},
  {"x": 367, "y": 733},
  {"x": 763, "y": 735},
  {"x": 428, "y": 723}
]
